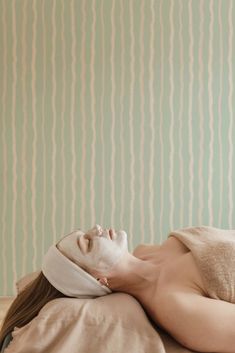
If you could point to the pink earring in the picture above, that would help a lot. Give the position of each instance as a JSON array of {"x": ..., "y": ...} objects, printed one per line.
[{"x": 104, "y": 281}]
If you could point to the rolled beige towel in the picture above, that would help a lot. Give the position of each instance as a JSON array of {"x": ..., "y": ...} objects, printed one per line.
[{"x": 214, "y": 252}]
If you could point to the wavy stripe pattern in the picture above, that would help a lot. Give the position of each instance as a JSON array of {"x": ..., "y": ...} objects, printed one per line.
[
  {"x": 63, "y": 53},
  {"x": 152, "y": 136},
  {"x": 190, "y": 117},
  {"x": 221, "y": 171},
  {"x": 122, "y": 118},
  {"x": 83, "y": 117},
  {"x": 131, "y": 124},
  {"x": 24, "y": 145},
  {"x": 54, "y": 149},
  {"x": 102, "y": 100},
  {"x": 181, "y": 108},
  {"x": 34, "y": 143},
  {"x": 4, "y": 155},
  {"x": 93, "y": 139},
  {"x": 161, "y": 140},
  {"x": 141, "y": 82},
  {"x": 112, "y": 135},
  {"x": 44, "y": 150},
  {"x": 211, "y": 144},
  {"x": 231, "y": 115},
  {"x": 171, "y": 139},
  {"x": 72, "y": 115},
  {"x": 111, "y": 115},
  {"x": 201, "y": 116},
  {"x": 14, "y": 152}
]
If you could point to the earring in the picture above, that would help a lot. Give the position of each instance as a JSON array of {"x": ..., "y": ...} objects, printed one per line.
[{"x": 104, "y": 281}]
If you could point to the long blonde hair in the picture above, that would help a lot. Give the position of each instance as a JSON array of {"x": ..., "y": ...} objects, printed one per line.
[{"x": 28, "y": 303}]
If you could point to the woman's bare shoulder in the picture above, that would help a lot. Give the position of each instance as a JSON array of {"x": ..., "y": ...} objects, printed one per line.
[
  {"x": 143, "y": 248},
  {"x": 170, "y": 246}
]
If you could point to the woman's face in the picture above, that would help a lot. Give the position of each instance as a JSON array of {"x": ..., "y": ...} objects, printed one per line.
[{"x": 98, "y": 249}]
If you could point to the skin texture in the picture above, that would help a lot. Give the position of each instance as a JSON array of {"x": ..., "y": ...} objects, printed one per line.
[
  {"x": 181, "y": 304},
  {"x": 166, "y": 281}
]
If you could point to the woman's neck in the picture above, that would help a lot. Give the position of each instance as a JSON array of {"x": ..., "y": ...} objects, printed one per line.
[{"x": 135, "y": 277}]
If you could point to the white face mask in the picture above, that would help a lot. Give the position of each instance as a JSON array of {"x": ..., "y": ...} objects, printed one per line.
[{"x": 94, "y": 249}]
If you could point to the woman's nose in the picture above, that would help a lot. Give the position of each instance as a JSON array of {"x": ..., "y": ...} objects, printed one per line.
[{"x": 98, "y": 229}]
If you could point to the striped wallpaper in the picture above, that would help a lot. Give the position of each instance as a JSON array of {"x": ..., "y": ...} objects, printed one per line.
[{"x": 118, "y": 112}]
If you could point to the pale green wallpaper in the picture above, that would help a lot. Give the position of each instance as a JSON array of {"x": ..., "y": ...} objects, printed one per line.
[{"x": 118, "y": 112}]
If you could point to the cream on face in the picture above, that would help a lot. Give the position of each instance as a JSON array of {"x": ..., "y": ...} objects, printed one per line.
[{"x": 97, "y": 249}]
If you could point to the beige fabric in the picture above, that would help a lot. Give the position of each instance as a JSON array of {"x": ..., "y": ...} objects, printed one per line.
[
  {"x": 114, "y": 323},
  {"x": 214, "y": 253}
]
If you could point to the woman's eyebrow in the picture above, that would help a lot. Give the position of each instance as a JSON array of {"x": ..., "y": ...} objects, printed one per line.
[
  {"x": 90, "y": 245},
  {"x": 78, "y": 242}
]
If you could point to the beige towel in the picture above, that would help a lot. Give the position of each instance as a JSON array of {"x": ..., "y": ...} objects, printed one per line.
[
  {"x": 114, "y": 323},
  {"x": 214, "y": 252}
]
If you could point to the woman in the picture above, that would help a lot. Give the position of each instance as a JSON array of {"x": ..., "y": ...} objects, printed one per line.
[
  {"x": 164, "y": 278},
  {"x": 69, "y": 281}
]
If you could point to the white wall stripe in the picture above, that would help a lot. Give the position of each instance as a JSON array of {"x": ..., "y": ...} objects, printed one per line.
[
  {"x": 231, "y": 117},
  {"x": 15, "y": 160},
  {"x": 102, "y": 114},
  {"x": 34, "y": 147},
  {"x": 200, "y": 104},
  {"x": 93, "y": 101},
  {"x": 132, "y": 164},
  {"x": 63, "y": 51},
  {"x": 172, "y": 148},
  {"x": 44, "y": 187},
  {"x": 54, "y": 152},
  {"x": 190, "y": 138},
  {"x": 113, "y": 91},
  {"x": 182, "y": 68},
  {"x": 83, "y": 115},
  {"x": 162, "y": 176},
  {"x": 211, "y": 145},
  {"x": 72, "y": 115},
  {"x": 151, "y": 108},
  {"x": 4, "y": 152},
  {"x": 221, "y": 65},
  {"x": 123, "y": 188},
  {"x": 24, "y": 142},
  {"x": 141, "y": 83}
]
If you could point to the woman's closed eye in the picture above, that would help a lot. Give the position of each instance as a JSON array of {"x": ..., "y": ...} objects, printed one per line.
[
  {"x": 90, "y": 244},
  {"x": 85, "y": 243}
]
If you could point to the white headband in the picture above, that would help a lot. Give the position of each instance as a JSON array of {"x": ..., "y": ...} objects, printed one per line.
[{"x": 69, "y": 278}]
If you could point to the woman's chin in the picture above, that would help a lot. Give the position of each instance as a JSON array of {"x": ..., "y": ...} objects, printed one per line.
[{"x": 121, "y": 234}]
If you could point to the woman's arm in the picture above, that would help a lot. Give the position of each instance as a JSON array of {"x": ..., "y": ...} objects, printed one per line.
[{"x": 200, "y": 323}]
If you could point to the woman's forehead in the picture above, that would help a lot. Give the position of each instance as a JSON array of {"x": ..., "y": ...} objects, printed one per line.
[{"x": 73, "y": 234}]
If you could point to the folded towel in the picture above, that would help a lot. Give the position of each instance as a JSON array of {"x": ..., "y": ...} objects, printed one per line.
[{"x": 214, "y": 252}]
